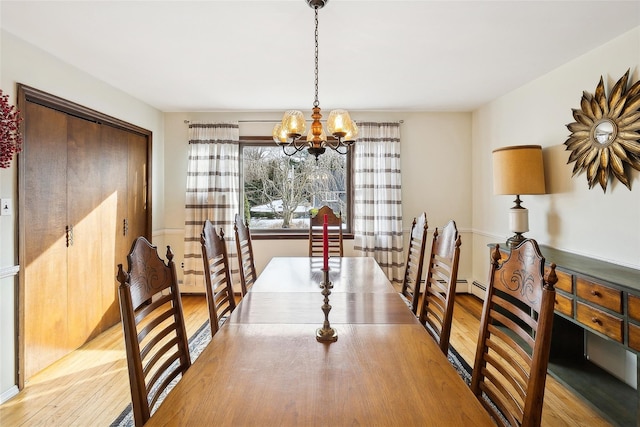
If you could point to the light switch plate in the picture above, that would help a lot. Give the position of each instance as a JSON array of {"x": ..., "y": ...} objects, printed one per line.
[{"x": 5, "y": 207}]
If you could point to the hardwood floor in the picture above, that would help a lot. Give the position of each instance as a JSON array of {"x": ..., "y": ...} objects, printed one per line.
[{"x": 89, "y": 387}]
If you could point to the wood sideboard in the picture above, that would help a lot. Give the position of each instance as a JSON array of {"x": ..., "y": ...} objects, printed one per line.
[{"x": 601, "y": 298}]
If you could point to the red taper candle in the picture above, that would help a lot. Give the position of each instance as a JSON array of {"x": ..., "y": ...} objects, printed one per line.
[{"x": 325, "y": 242}]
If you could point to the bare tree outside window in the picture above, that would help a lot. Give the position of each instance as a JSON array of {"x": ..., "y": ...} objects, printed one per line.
[{"x": 281, "y": 192}]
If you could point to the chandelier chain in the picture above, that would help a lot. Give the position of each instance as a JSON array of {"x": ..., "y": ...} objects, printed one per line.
[{"x": 316, "y": 102}]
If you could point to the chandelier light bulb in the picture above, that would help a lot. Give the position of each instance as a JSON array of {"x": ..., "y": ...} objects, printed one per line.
[
  {"x": 352, "y": 133},
  {"x": 338, "y": 123},
  {"x": 293, "y": 124},
  {"x": 279, "y": 135}
]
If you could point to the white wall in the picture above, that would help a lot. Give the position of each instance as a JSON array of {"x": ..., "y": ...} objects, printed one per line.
[
  {"x": 23, "y": 63},
  {"x": 570, "y": 217},
  {"x": 436, "y": 169}
]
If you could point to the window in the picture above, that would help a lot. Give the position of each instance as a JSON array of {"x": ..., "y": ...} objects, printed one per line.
[{"x": 279, "y": 193}]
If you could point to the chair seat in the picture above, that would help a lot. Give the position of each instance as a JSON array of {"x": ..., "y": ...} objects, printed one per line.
[
  {"x": 223, "y": 320},
  {"x": 406, "y": 301}
]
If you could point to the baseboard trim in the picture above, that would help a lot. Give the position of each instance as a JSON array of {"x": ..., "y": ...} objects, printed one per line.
[
  {"x": 9, "y": 271},
  {"x": 8, "y": 394}
]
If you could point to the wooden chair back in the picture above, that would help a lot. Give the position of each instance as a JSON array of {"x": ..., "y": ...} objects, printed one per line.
[
  {"x": 515, "y": 336},
  {"x": 436, "y": 313},
  {"x": 153, "y": 323},
  {"x": 244, "y": 248},
  {"x": 217, "y": 278},
  {"x": 334, "y": 231},
  {"x": 412, "y": 279}
]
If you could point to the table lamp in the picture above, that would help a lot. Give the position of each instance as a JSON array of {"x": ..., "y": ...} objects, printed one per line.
[{"x": 518, "y": 170}]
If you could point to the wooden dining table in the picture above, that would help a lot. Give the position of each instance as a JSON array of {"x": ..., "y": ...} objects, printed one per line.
[{"x": 265, "y": 367}]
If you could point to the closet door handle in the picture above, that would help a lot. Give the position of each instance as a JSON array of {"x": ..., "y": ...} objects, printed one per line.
[
  {"x": 69, "y": 232},
  {"x": 125, "y": 227}
]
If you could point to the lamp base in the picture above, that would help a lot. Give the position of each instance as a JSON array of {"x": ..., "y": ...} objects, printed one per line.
[
  {"x": 518, "y": 223},
  {"x": 515, "y": 240}
]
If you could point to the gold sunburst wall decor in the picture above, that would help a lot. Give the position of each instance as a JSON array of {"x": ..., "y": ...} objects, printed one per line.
[{"x": 605, "y": 138}]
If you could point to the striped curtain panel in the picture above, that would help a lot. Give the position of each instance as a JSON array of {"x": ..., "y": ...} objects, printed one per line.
[
  {"x": 377, "y": 197},
  {"x": 213, "y": 181}
]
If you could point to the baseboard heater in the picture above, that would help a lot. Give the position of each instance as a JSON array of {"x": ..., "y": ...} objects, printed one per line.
[{"x": 479, "y": 286}]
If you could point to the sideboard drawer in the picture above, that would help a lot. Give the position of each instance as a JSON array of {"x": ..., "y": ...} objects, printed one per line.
[
  {"x": 600, "y": 321},
  {"x": 564, "y": 305},
  {"x": 634, "y": 336},
  {"x": 599, "y": 294},
  {"x": 564, "y": 282},
  {"x": 634, "y": 307}
]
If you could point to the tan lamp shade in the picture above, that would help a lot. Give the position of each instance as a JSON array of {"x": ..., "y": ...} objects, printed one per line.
[{"x": 518, "y": 170}]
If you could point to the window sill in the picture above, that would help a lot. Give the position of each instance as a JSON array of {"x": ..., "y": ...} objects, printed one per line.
[{"x": 294, "y": 235}]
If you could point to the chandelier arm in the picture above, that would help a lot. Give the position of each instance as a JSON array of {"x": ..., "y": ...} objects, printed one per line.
[
  {"x": 329, "y": 143},
  {"x": 337, "y": 149},
  {"x": 340, "y": 147},
  {"x": 300, "y": 144},
  {"x": 296, "y": 148}
]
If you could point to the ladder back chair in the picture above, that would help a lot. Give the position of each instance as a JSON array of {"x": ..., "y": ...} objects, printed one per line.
[
  {"x": 436, "y": 313},
  {"x": 515, "y": 336},
  {"x": 334, "y": 231},
  {"x": 415, "y": 260},
  {"x": 220, "y": 298},
  {"x": 244, "y": 248},
  {"x": 153, "y": 325}
]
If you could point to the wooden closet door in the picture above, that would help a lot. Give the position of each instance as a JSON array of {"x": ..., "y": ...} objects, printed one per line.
[
  {"x": 84, "y": 199},
  {"x": 124, "y": 209},
  {"x": 44, "y": 239},
  {"x": 116, "y": 244},
  {"x": 137, "y": 188}
]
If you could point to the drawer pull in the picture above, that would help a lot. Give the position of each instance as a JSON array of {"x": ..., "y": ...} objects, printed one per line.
[
  {"x": 596, "y": 321},
  {"x": 595, "y": 293}
]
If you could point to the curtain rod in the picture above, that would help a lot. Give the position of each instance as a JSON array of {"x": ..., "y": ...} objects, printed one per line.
[
  {"x": 267, "y": 121},
  {"x": 248, "y": 121}
]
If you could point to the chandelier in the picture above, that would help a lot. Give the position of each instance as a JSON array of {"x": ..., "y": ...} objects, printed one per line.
[{"x": 287, "y": 133}]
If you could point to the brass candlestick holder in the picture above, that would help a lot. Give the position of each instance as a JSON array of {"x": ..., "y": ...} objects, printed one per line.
[{"x": 326, "y": 333}]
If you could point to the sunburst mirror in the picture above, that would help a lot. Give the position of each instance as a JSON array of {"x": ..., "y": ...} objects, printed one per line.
[{"x": 605, "y": 138}]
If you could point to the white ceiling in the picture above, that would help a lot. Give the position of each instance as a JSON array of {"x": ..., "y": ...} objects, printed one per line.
[{"x": 374, "y": 55}]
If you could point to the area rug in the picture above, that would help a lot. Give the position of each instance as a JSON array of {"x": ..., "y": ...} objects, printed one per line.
[
  {"x": 464, "y": 370},
  {"x": 201, "y": 338}
]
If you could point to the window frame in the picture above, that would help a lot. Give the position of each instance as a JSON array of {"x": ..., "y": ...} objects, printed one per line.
[{"x": 297, "y": 234}]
